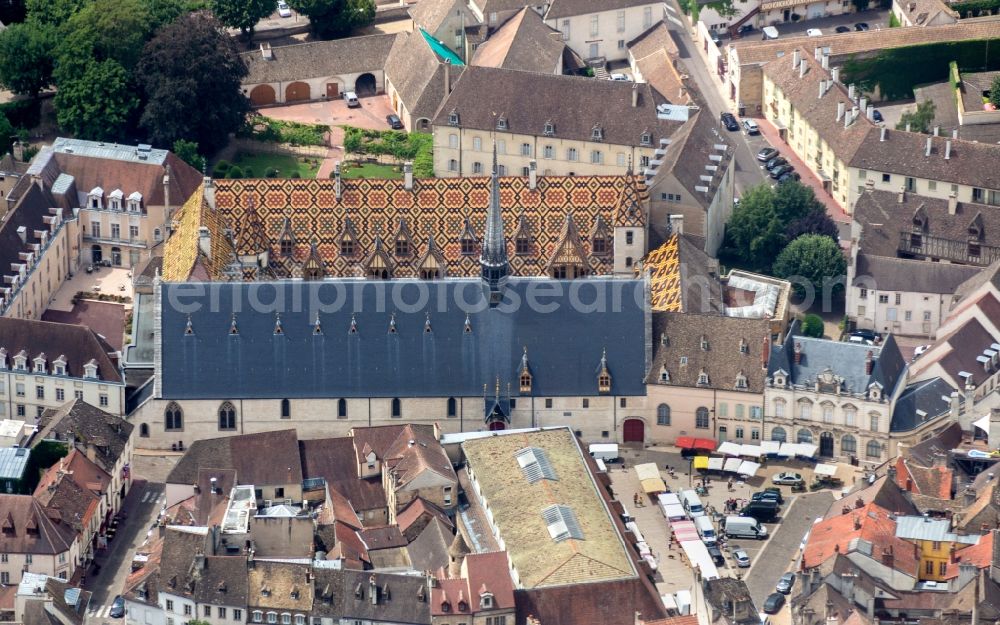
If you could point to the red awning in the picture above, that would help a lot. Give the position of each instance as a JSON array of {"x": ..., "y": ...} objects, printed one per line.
[
  {"x": 685, "y": 442},
  {"x": 707, "y": 444}
]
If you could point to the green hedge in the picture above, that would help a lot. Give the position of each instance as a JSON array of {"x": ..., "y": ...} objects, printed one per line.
[
  {"x": 261, "y": 128},
  {"x": 895, "y": 72},
  {"x": 416, "y": 146},
  {"x": 974, "y": 8}
]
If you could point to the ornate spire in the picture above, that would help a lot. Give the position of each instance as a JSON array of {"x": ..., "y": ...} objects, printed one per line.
[{"x": 493, "y": 259}]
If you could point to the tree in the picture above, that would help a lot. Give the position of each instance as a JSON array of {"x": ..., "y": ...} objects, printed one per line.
[
  {"x": 335, "y": 18},
  {"x": 815, "y": 222},
  {"x": 860, "y": 5},
  {"x": 96, "y": 104},
  {"x": 103, "y": 29},
  {"x": 812, "y": 325},
  {"x": 7, "y": 134},
  {"x": 995, "y": 91},
  {"x": 187, "y": 151},
  {"x": 26, "y": 57},
  {"x": 919, "y": 120},
  {"x": 190, "y": 73},
  {"x": 52, "y": 12},
  {"x": 812, "y": 260},
  {"x": 242, "y": 14}
]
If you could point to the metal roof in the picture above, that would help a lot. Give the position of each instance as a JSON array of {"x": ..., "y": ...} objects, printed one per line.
[
  {"x": 13, "y": 462},
  {"x": 99, "y": 149},
  {"x": 926, "y": 528},
  {"x": 62, "y": 184}
]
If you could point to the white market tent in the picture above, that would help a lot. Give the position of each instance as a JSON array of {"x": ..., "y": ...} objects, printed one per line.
[
  {"x": 748, "y": 468},
  {"x": 732, "y": 465},
  {"x": 697, "y": 554},
  {"x": 649, "y": 477},
  {"x": 715, "y": 464},
  {"x": 751, "y": 450},
  {"x": 729, "y": 449},
  {"x": 825, "y": 469},
  {"x": 770, "y": 447}
]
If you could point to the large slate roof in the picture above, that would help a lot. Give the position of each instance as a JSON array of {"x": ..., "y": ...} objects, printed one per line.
[
  {"x": 317, "y": 59},
  {"x": 428, "y": 353},
  {"x": 930, "y": 397}
]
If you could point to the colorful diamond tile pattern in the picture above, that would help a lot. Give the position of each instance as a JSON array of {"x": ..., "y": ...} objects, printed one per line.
[{"x": 663, "y": 265}]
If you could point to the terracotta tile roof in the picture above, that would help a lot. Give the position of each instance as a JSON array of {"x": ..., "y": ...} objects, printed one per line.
[
  {"x": 141, "y": 584},
  {"x": 319, "y": 59},
  {"x": 734, "y": 347},
  {"x": 847, "y": 44},
  {"x": 920, "y": 12},
  {"x": 421, "y": 508},
  {"x": 373, "y": 597},
  {"x": 61, "y": 495},
  {"x": 481, "y": 573},
  {"x": 222, "y": 581},
  {"x": 883, "y": 493},
  {"x": 930, "y": 481},
  {"x": 90, "y": 427},
  {"x": 664, "y": 266},
  {"x": 79, "y": 344},
  {"x": 386, "y": 537},
  {"x": 673, "y": 620},
  {"x": 569, "y": 8},
  {"x": 85, "y": 473},
  {"x": 517, "y": 506},
  {"x": 984, "y": 513},
  {"x": 682, "y": 278},
  {"x": 980, "y": 555},
  {"x": 431, "y": 14},
  {"x": 265, "y": 458},
  {"x": 524, "y": 42},
  {"x": 415, "y": 450},
  {"x": 379, "y": 210},
  {"x": 573, "y": 104},
  {"x": 334, "y": 460},
  {"x": 280, "y": 586},
  {"x": 28, "y": 528},
  {"x": 604, "y": 602},
  {"x": 429, "y": 550},
  {"x": 658, "y": 59},
  {"x": 870, "y": 524}
]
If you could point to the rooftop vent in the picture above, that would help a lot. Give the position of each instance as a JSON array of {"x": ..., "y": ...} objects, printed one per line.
[
  {"x": 562, "y": 523},
  {"x": 535, "y": 464}
]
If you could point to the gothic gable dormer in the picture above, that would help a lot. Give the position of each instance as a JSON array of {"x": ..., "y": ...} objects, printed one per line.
[
  {"x": 286, "y": 239},
  {"x": 523, "y": 238},
  {"x": 604, "y": 375},
  {"x": 920, "y": 219},
  {"x": 403, "y": 246},
  {"x": 630, "y": 210},
  {"x": 976, "y": 228},
  {"x": 348, "y": 241},
  {"x": 432, "y": 265},
  {"x": 313, "y": 268},
  {"x": 524, "y": 374},
  {"x": 467, "y": 240},
  {"x": 378, "y": 265},
  {"x": 568, "y": 259},
  {"x": 600, "y": 238}
]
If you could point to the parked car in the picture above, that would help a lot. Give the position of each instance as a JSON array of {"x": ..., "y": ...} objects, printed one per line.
[
  {"x": 394, "y": 122},
  {"x": 744, "y": 29},
  {"x": 877, "y": 116},
  {"x": 766, "y": 154},
  {"x": 729, "y": 121},
  {"x": 774, "y": 603},
  {"x": 861, "y": 26},
  {"x": 842, "y": 29},
  {"x": 814, "y": 32},
  {"x": 751, "y": 127},
  {"x": 769, "y": 32},
  {"x": 788, "y": 478},
  {"x": 865, "y": 333},
  {"x": 919, "y": 351},
  {"x": 781, "y": 170},
  {"x": 777, "y": 161},
  {"x": 742, "y": 559},
  {"x": 716, "y": 554},
  {"x": 766, "y": 496},
  {"x": 284, "y": 10},
  {"x": 763, "y": 511},
  {"x": 776, "y": 491},
  {"x": 117, "y": 607},
  {"x": 785, "y": 583},
  {"x": 619, "y": 78},
  {"x": 352, "y": 99},
  {"x": 860, "y": 340},
  {"x": 715, "y": 39},
  {"x": 791, "y": 176}
]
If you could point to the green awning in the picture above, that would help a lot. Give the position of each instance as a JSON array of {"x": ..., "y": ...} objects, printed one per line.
[{"x": 441, "y": 50}]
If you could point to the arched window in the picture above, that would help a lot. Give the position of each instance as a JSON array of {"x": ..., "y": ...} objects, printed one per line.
[
  {"x": 873, "y": 449},
  {"x": 663, "y": 414},
  {"x": 143, "y": 430},
  {"x": 227, "y": 416},
  {"x": 848, "y": 445},
  {"x": 341, "y": 408},
  {"x": 701, "y": 418},
  {"x": 173, "y": 417},
  {"x": 397, "y": 408},
  {"x": 804, "y": 436},
  {"x": 779, "y": 435},
  {"x": 286, "y": 409},
  {"x": 452, "y": 407}
]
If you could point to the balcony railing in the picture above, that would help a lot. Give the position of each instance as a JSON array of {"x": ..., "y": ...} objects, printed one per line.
[
  {"x": 116, "y": 241},
  {"x": 925, "y": 246}
]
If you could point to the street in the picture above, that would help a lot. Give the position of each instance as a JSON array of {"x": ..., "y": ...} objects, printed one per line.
[{"x": 141, "y": 508}]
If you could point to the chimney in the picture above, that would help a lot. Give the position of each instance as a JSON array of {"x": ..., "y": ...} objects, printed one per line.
[
  {"x": 447, "y": 77},
  {"x": 765, "y": 352},
  {"x": 857, "y": 525},
  {"x": 954, "y": 133},
  {"x": 952, "y": 203},
  {"x": 166, "y": 190},
  {"x": 835, "y": 73},
  {"x": 937, "y": 129},
  {"x": 941, "y": 460},
  {"x": 847, "y": 119},
  {"x": 828, "y": 610},
  {"x": 847, "y": 586},
  {"x": 91, "y": 453},
  {"x": 796, "y": 59},
  {"x": 888, "y": 559},
  {"x": 869, "y": 362},
  {"x": 817, "y": 53},
  {"x": 212, "y": 481},
  {"x": 954, "y": 404},
  {"x": 208, "y": 191},
  {"x": 266, "y": 52},
  {"x": 927, "y": 150},
  {"x": 870, "y": 113},
  {"x": 635, "y": 95},
  {"x": 408, "y": 175},
  {"x": 854, "y": 113},
  {"x": 373, "y": 589},
  {"x": 840, "y": 110},
  {"x": 881, "y": 136},
  {"x": 850, "y": 93},
  {"x": 822, "y": 88},
  {"x": 337, "y": 190},
  {"x": 532, "y": 174},
  {"x": 199, "y": 561},
  {"x": 826, "y": 61},
  {"x": 205, "y": 241},
  {"x": 863, "y": 103},
  {"x": 901, "y": 196},
  {"x": 947, "y": 149},
  {"x": 802, "y": 70},
  {"x": 22, "y": 231},
  {"x": 676, "y": 223},
  {"x": 798, "y": 352}
]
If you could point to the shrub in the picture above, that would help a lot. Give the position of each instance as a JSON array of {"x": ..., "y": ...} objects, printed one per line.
[
  {"x": 812, "y": 325},
  {"x": 271, "y": 173},
  {"x": 220, "y": 169},
  {"x": 235, "y": 172},
  {"x": 248, "y": 173},
  {"x": 295, "y": 174}
]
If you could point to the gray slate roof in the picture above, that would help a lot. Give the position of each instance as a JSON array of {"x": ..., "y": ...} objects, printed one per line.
[
  {"x": 569, "y": 8},
  {"x": 916, "y": 276},
  {"x": 846, "y": 360},
  {"x": 564, "y": 344},
  {"x": 318, "y": 59},
  {"x": 418, "y": 74},
  {"x": 931, "y": 397},
  {"x": 88, "y": 425}
]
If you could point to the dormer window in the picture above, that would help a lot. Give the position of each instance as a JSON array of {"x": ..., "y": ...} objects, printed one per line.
[
  {"x": 95, "y": 199},
  {"x": 525, "y": 382},
  {"x": 20, "y": 362},
  {"x": 703, "y": 378},
  {"x": 501, "y": 123},
  {"x": 134, "y": 204},
  {"x": 90, "y": 370},
  {"x": 486, "y": 601},
  {"x": 664, "y": 375},
  {"x": 453, "y": 118},
  {"x": 59, "y": 366},
  {"x": 402, "y": 247},
  {"x": 599, "y": 245},
  {"x": 549, "y": 129},
  {"x": 596, "y": 133},
  {"x": 741, "y": 382},
  {"x": 744, "y": 346},
  {"x": 704, "y": 343},
  {"x": 115, "y": 200},
  {"x": 604, "y": 382},
  {"x": 40, "y": 364},
  {"x": 646, "y": 139},
  {"x": 779, "y": 380}
]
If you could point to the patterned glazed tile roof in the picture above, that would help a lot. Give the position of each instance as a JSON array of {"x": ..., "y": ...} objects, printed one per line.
[
  {"x": 307, "y": 220},
  {"x": 664, "y": 265}
]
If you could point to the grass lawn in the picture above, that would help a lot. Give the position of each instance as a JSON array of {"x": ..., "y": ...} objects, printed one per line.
[
  {"x": 371, "y": 170},
  {"x": 260, "y": 162}
]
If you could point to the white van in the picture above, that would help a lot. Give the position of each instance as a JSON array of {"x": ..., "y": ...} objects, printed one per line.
[
  {"x": 608, "y": 452},
  {"x": 706, "y": 530},
  {"x": 744, "y": 527},
  {"x": 770, "y": 32},
  {"x": 352, "y": 99},
  {"x": 692, "y": 504}
]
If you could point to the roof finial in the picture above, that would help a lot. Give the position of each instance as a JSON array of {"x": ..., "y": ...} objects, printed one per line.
[
  {"x": 317, "y": 328},
  {"x": 277, "y": 324},
  {"x": 233, "y": 329},
  {"x": 354, "y": 325},
  {"x": 493, "y": 260},
  {"x": 427, "y": 323}
]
